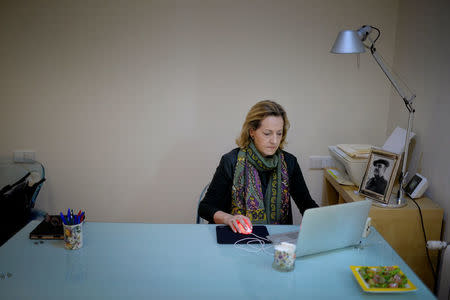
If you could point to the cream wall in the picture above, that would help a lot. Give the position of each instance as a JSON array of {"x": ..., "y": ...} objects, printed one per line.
[
  {"x": 422, "y": 57},
  {"x": 130, "y": 104}
]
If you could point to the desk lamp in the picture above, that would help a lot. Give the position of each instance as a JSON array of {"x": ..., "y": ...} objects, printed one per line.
[{"x": 352, "y": 41}]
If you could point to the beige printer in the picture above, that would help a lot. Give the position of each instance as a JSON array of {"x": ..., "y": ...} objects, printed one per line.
[{"x": 351, "y": 161}]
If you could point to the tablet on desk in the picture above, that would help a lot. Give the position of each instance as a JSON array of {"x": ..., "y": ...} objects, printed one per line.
[
  {"x": 226, "y": 236},
  {"x": 50, "y": 228}
]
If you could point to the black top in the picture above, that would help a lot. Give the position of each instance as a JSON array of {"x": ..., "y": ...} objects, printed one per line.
[
  {"x": 218, "y": 196},
  {"x": 377, "y": 184}
]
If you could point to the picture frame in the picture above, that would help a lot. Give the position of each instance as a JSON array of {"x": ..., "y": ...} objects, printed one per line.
[{"x": 380, "y": 175}]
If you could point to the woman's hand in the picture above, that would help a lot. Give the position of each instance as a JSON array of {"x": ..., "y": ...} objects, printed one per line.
[
  {"x": 221, "y": 217},
  {"x": 236, "y": 220}
]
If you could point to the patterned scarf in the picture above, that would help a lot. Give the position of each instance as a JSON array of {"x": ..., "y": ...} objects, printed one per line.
[{"x": 246, "y": 193}]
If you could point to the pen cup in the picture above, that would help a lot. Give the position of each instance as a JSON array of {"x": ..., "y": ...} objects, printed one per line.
[
  {"x": 284, "y": 257},
  {"x": 73, "y": 236}
]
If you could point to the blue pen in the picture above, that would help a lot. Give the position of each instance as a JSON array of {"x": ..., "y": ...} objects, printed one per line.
[
  {"x": 68, "y": 216},
  {"x": 62, "y": 218}
]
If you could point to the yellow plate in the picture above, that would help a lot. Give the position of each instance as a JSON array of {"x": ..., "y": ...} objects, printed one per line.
[{"x": 408, "y": 288}]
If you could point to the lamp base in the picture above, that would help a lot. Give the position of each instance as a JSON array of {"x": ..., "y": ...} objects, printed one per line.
[{"x": 393, "y": 202}]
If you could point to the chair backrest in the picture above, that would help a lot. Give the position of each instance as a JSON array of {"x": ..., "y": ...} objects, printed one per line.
[
  {"x": 33, "y": 172},
  {"x": 19, "y": 186},
  {"x": 202, "y": 195}
]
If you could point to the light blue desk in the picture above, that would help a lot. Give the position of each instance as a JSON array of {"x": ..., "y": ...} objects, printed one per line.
[{"x": 160, "y": 261}]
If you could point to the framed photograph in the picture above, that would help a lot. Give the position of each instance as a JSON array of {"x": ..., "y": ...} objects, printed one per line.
[{"x": 380, "y": 175}]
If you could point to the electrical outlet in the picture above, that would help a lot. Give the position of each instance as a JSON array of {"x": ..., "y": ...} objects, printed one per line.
[
  {"x": 321, "y": 162},
  {"x": 328, "y": 162},
  {"x": 315, "y": 162},
  {"x": 27, "y": 156}
]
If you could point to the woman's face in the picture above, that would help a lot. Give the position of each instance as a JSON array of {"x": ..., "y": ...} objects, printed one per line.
[{"x": 268, "y": 136}]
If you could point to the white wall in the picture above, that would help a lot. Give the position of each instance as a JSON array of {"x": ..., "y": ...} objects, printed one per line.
[
  {"x": 422, "y": 58},
  {"x": 130, "y": 104}
]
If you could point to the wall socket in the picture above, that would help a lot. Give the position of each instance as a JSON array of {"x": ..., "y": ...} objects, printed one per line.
[
  {"x": 26, "y": 156},
  {"x": 321, "y": 162}
]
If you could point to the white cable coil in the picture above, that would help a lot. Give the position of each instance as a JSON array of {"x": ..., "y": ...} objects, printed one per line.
[{"x": 257, "y": 244}]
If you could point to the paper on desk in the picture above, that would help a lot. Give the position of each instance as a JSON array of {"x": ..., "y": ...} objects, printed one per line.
[
  {"x": 340, "y": 178},
  {"x": 396, "y": 141},
  {"x": 356, "y": 150}
]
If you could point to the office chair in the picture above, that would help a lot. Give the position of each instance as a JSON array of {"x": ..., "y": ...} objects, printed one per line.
[
  {"x": 202, "y": 195},
  {"x": 20, "y": 184}
]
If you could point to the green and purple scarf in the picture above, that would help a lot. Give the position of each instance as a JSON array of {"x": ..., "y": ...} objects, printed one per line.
[{"x": 247, "y": 197}]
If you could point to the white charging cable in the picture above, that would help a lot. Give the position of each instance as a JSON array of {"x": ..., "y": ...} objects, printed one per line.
[
  {"x": 366, "y": 231},
  {"x": 256, "y": 243}
]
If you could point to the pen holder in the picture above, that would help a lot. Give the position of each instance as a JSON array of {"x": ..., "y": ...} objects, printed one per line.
[
  {"x": 284, "y": 257},
  {"x": 73, "y": 236}
]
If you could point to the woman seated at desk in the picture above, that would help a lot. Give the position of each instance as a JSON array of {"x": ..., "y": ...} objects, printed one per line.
[{"x": 253, "y": 183}]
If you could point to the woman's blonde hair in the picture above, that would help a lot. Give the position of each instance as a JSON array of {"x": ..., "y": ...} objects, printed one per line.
[{"x": 256, "y": 114}]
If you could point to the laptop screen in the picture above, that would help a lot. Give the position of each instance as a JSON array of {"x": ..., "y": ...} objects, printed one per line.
[{"x": 332, "y": 227}]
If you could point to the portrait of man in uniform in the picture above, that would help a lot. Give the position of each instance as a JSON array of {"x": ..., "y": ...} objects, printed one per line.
[
  {"x": 379, "y": 178},
  {"x": 378, "y": 182}
]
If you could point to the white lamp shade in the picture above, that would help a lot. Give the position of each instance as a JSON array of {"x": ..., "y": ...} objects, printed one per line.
[{"x": 348, "y": 41}]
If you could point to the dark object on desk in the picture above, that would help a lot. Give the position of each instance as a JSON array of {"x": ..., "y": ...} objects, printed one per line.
[
  {"x": 50, "y": 228},
  {"x": 416, "y": 186},
  {"x": 226, "y": 236}
]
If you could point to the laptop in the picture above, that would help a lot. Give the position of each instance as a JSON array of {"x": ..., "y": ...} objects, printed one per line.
[{"x": 328, "y": 228}]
